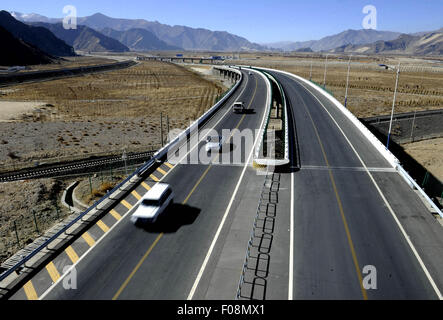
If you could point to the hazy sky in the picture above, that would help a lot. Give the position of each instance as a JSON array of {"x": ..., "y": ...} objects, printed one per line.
[{"x": 258, "y": 20}]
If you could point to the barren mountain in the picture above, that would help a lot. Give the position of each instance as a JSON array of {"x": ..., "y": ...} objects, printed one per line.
[
  {"x": 177, "y": 36},
  {"x": 84, "y": 38},
  {"x": 426, "y": 44},
  {"x": 39, "y": 37},
  {"x": 19, "y": 52},
  {"x": 348, "y": 37},
  {"x": 139, "y": 39}
]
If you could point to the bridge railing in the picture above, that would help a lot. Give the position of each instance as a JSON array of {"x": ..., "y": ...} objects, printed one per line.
[{"x": 258, "y": 160}]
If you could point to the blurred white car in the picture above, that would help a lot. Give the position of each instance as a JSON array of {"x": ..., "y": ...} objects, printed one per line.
[
  {"x": 238, "y": 107},
  {"x": 213, "y": 142},
  {"x": 153, "y": 203}
]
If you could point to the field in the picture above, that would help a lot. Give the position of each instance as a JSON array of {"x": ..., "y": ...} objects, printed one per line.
[
  {"x": 371, "y": 88},
  {"x": 102, "y": 113}
]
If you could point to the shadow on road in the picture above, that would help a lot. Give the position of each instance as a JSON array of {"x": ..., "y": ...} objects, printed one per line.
[
  {"x": 174, "y": 217},
  {"x": 249, "y": 111}
]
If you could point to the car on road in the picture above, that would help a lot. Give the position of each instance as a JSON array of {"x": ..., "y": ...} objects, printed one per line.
[
  {"x": 153, "y": 203},
  {"x": 213, "y": 142},
  {"x": 238, "y": 107}
]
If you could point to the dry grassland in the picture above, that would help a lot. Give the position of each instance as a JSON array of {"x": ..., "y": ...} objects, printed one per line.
[
  {"x": 104, "y": 112},
  {"x": 371, "y": 88}
]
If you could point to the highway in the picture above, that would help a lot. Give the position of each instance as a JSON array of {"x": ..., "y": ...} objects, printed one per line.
[
  {"x": 346, "y": 225},
  {"x": 349, "y": 209},
  {"x": 163, "y": 261}
]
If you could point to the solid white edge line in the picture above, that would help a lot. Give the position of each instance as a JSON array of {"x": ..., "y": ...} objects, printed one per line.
[
  {"x": 129, "y": 211},
  {"x": 222, "y": 222},
  {"x": 405, "y": 235},
  {"x": 291, "y": 243}
]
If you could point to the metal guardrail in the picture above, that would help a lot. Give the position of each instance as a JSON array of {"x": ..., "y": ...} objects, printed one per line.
[
  {"x": 401, "y": 116},
  {"x": 285, "y": 160},
  {"x": 286, "y": 126},
  {"x": 264, "y": 233},
  {"x": 413, "y": 184},
  {"x": 140, "y": 172},
  {"x": 250, "y": 243}
]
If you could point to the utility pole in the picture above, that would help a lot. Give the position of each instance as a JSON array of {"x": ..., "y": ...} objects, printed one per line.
[
  {"x": 310, "y": 72},
  {"x": 125, "y": 157},
  {"x": 167, "y": 128},
  {"x": 393, "y": 105},
  {"x": 324, "y": 78},
  {"x": 161, "y": 128},
  {"x": 347, "y": 80},
  {"x": 413, "y": 123}
]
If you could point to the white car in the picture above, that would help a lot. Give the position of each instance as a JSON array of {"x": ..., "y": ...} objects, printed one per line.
[
  {"x": 238, "y": 107},
  {"x": 153, "y": 203},
  {"x": 213, "y": 143}
]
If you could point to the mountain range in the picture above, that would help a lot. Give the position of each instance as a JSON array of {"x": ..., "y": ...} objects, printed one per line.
[
  {"x": 83, "y": 38},
  {"x": 99, "y": 32},
  {"x": 350, "y": 36},
  {"x": 38, "y": 37},
  {"x": 178, "y": 36},
  {"x": 181, "y": 37},
  {"x": 138, "y": 39},
  {"x": 424, "y": 44}
]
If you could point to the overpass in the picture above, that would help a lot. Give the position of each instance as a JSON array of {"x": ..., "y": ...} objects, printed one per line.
[{"x": 201, "y": 60}]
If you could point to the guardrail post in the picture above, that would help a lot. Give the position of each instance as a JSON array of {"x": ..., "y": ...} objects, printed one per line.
[
  {"x": 35, "y": 221},
  {"x": 425, "y": 180},
  {"x": 56, "y": 210},
  {"x": 16, "y": 233},
  {"x": 90, "y": 184},
  {"x": 167, "y": 128},
  {"x": 161, "y": 128}
]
